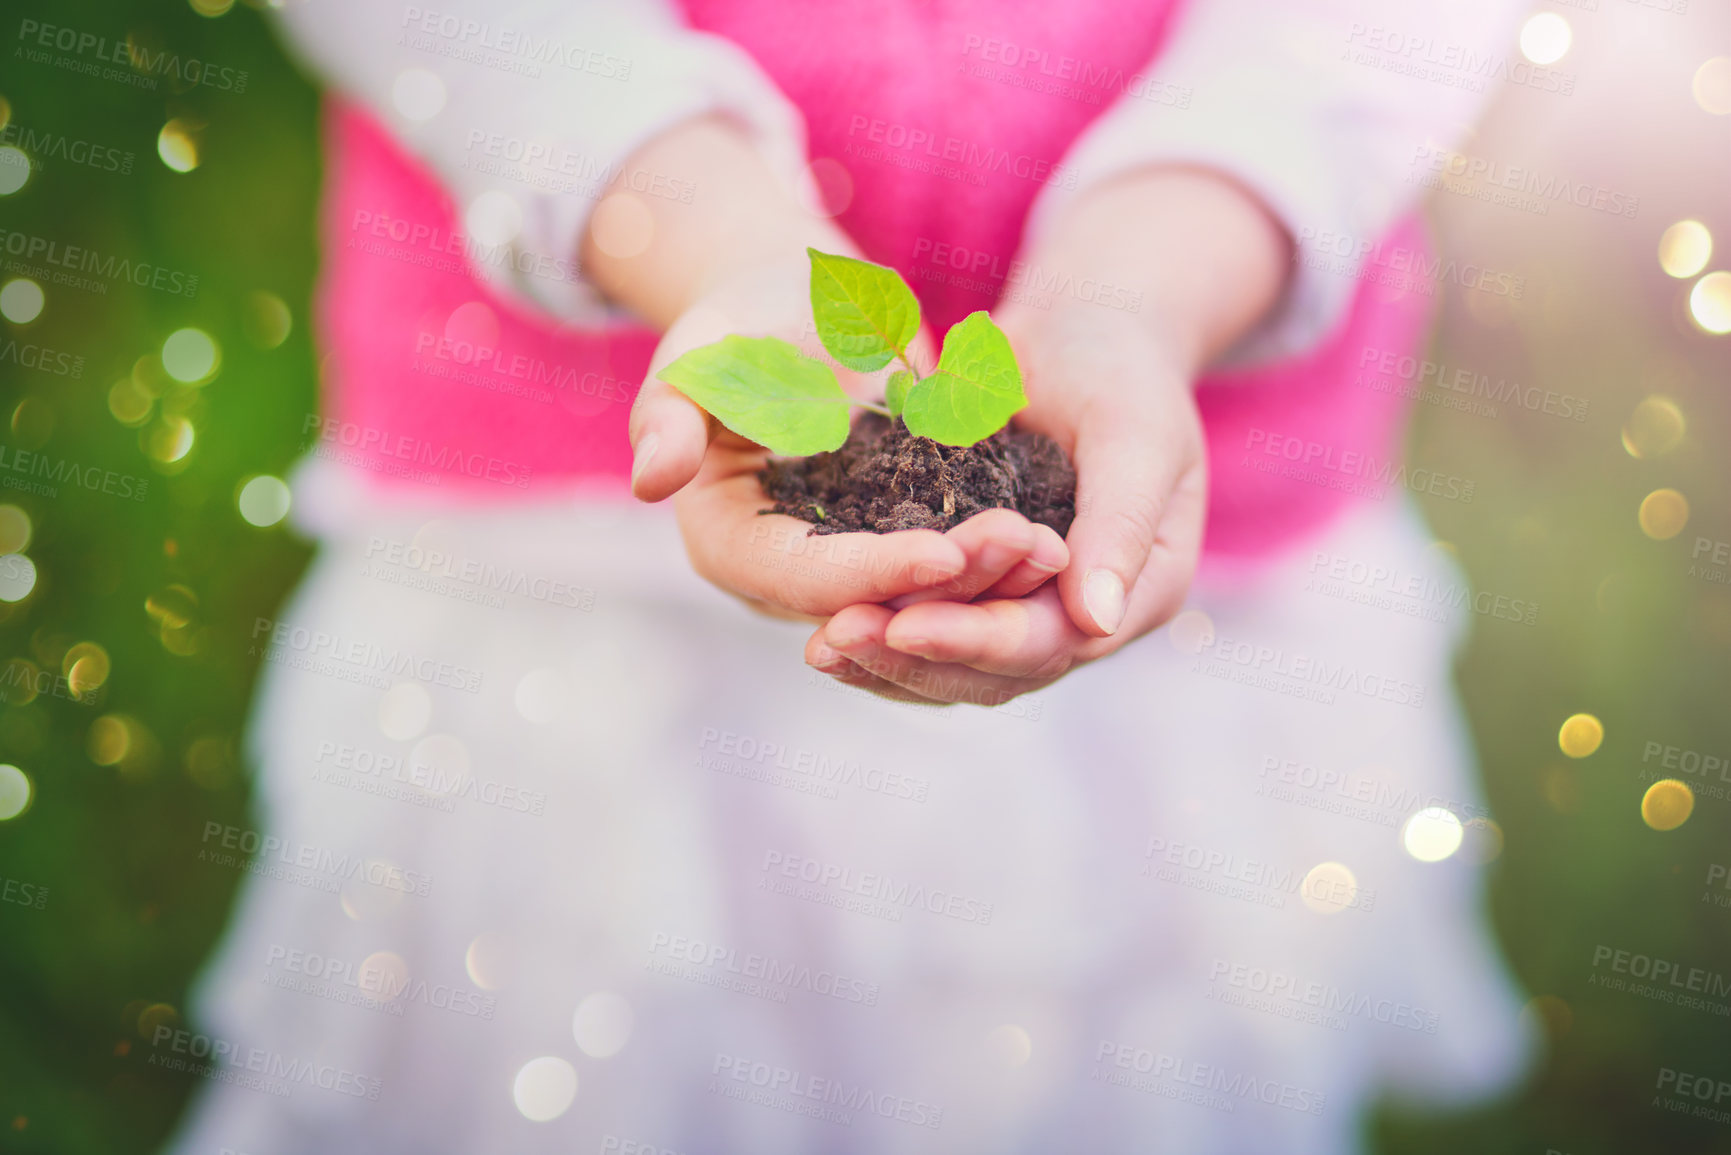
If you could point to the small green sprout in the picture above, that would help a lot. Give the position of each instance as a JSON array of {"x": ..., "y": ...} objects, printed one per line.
[{"x": 765, "y": 389}]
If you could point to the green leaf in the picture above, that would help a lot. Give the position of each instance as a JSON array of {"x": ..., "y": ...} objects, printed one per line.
[
  {"x": 896, "y": 391},
  {"x": 865, "y": 313},
  {"x": 975, "y": 389},
  {"x": 766, "y": 390}
]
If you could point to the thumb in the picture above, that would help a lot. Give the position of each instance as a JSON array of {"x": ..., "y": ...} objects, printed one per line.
[
  {"x": 1128, "y": 463},
  {"x": 670, "y": 432}
]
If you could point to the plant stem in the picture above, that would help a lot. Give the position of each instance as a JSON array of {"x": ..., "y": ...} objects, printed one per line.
[{"x": 879, "y": 409}]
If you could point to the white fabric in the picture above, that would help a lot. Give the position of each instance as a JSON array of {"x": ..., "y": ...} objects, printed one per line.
[
  {"x": 586, "y": 82},
  {"x": 1043, "y": 809},
  {"x": 1272, "y": 94}
]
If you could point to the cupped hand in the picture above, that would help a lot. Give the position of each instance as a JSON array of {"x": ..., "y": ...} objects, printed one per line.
[
  {"x": 1102, "y": 385},
  {"x": 773, "y": 561}
]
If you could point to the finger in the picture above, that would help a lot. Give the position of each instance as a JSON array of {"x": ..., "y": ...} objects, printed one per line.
[
  {"x": 858, "y": 632},
  {"x": 1029, "y": 637},
  {"x": 843, "y": 669},
  {"x": 1128, "y": 458},
  {"x": 995, "y": 541},
  {"x": 1048, "y": 557},
  {"x": 777, "y": 559},
  {"x": 669, "y": 435}
]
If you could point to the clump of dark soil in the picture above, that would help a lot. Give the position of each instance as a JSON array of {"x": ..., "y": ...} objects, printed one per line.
[{"x": 884, "y": 479}]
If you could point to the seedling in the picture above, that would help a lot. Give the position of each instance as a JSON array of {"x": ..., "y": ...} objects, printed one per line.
[{"x": 766, "y": 390}]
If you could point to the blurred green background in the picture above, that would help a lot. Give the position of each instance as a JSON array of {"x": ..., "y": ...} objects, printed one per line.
[{"x": 144, "y": 608}]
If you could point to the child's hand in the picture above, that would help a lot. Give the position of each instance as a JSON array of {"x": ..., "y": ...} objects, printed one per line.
[
  {"x": 1204, "y": 262},
  {"x": 1104, "y": 389},
  {"x": 734, "y": 261},
  {"x": 772, "y": 561}
]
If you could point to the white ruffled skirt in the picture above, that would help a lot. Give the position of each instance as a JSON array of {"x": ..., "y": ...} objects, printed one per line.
[{"x": 559, "y": 849}]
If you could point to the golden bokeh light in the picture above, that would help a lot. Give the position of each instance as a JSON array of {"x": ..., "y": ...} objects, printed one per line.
[
  {"x": 1667, "y": 804},
  {"x": 1545, "y": 38},
  {"x": 211, "y": 8},
  {"x": 86, "y": 667},
  {"x": 154, "y": 1016},
  {"x": 1685, "y": 248},
  {"x": 1710, "y": 303},
  {"x": 263, "y": 501},
  {"x": 14, "y": 169},
  {"x": 32, "y": 422},
  {"x": 1432, "y": 834},
  {"x": 622, "y": 226},
  {"x": 267, "y": 319},
  {"x": 109, "y": 740},
  {"x": 209, "y": 761},
  {"x": 168, "y": 440},
  {"x": 15, "y": 792},
  {"x": 1580, "y": 735},
  {"x": 129, "y": 404},
  {"x": 1329, "y": 888},
  {"x": 177, "y": 145},
  {"x": 1664, "y": 513},
  {"x": 174, "y": 606},
  {"x": 15, "y": 529},
  {"x": 21, "y": 300},
  {"x": 1655, "y": 428},
  {"x": 18, "y": 682},
  {"x": 191, "y": 356},
  {"x": 1711, "y": 86}
]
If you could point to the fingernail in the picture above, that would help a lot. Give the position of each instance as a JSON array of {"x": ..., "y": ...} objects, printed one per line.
[
  {"x": 1041, "y": 566},
  {"x": 1103, "y": 597},
  {"x": 918, "y": 647},
  {"x": 645, "y": 454}
]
